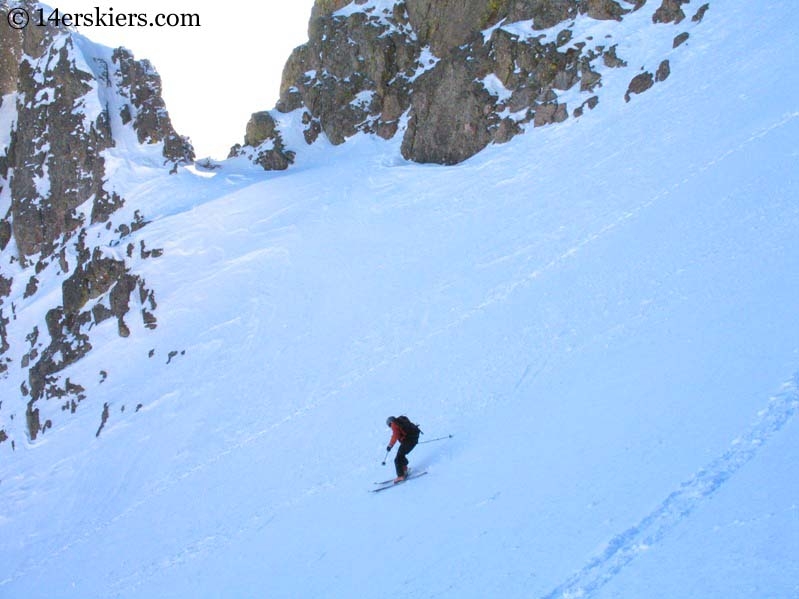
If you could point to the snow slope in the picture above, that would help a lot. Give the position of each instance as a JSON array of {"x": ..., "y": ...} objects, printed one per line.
[{"x": 602, "y": 313}]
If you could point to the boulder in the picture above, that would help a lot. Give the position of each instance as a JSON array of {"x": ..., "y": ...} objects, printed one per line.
[{"x": 670, "y": 11}]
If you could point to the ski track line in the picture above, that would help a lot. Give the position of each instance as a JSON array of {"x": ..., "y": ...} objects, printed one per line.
[
  {"x": 680, "y": 504},
  {"x": 499, "y": 294}
]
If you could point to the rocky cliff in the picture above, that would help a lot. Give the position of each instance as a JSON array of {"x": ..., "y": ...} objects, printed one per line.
[
  {"x": 448, "y": 76},
  {"x": 66, "y": 105}
]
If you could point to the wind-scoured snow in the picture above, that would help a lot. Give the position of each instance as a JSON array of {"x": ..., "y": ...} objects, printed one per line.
[{"x": 602, "y": 313}]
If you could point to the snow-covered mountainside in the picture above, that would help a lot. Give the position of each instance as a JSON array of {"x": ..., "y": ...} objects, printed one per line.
[
  {"x": 79, "y": 123},
  {"x": 601, "y": 313}
]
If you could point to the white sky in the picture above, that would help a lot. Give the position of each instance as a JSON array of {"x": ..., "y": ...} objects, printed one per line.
[{"x": 215, "y": 75}]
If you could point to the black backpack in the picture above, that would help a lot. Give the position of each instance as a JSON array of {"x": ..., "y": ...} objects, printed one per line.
[{"x": 408, "y": 427}]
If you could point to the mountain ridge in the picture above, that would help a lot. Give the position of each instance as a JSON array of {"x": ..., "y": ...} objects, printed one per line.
[{"x": 449, "y": 78}]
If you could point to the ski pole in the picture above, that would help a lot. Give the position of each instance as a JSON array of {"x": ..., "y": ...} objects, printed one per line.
[
  {"x": 384, "y": 459},
  {"x": 437, "y": 439}
]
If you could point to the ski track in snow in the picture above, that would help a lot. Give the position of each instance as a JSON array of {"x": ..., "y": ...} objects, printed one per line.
[
  {"x": 621, "y": 550},
  {"x": 679, "y": 505}
]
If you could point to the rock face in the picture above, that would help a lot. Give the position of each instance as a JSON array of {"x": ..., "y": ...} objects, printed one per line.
[
  {"x": 139, "y": 83},
  {"x": 449, "y": 76},
  {"x": 65, "y": 103}
]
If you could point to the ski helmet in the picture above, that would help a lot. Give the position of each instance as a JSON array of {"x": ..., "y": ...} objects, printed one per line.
[{"x": 389, "y": 420}]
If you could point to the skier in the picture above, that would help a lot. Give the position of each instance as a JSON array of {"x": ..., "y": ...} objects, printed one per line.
[{"x": 407, "y": 433}]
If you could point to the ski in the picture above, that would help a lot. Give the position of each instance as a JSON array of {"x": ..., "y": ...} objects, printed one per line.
[
  {"x": 410, "y": 473},
  {"x": 390, "y": 483}
]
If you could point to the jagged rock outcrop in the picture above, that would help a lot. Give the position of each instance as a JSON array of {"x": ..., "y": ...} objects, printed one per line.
[
  {"x": 54, "y": 152},
  {"x": 64, "y": 104},
  {"x": 449, "y": 76},
  {"x": 139, "y": 82},
  {"x": 56, "y": 145},
  {"x": 271, "y": 155}
]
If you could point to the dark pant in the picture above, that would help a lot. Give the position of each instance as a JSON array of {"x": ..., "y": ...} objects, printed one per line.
[{"x": 406, "y": 447}]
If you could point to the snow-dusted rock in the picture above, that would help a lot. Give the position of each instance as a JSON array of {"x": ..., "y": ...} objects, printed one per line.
[
  {"x": 416, "y": 69},
  {"x": 70, "y": 112}
]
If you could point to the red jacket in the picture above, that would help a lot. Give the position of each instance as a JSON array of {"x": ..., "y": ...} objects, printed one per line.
[{"x": 397, "y": 434}]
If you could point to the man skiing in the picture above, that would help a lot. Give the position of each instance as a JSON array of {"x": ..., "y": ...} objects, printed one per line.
[{"x": 407, "y": 433}]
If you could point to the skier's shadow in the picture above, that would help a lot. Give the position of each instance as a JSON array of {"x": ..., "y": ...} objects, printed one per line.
[{"x": 425, "y": 455}]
